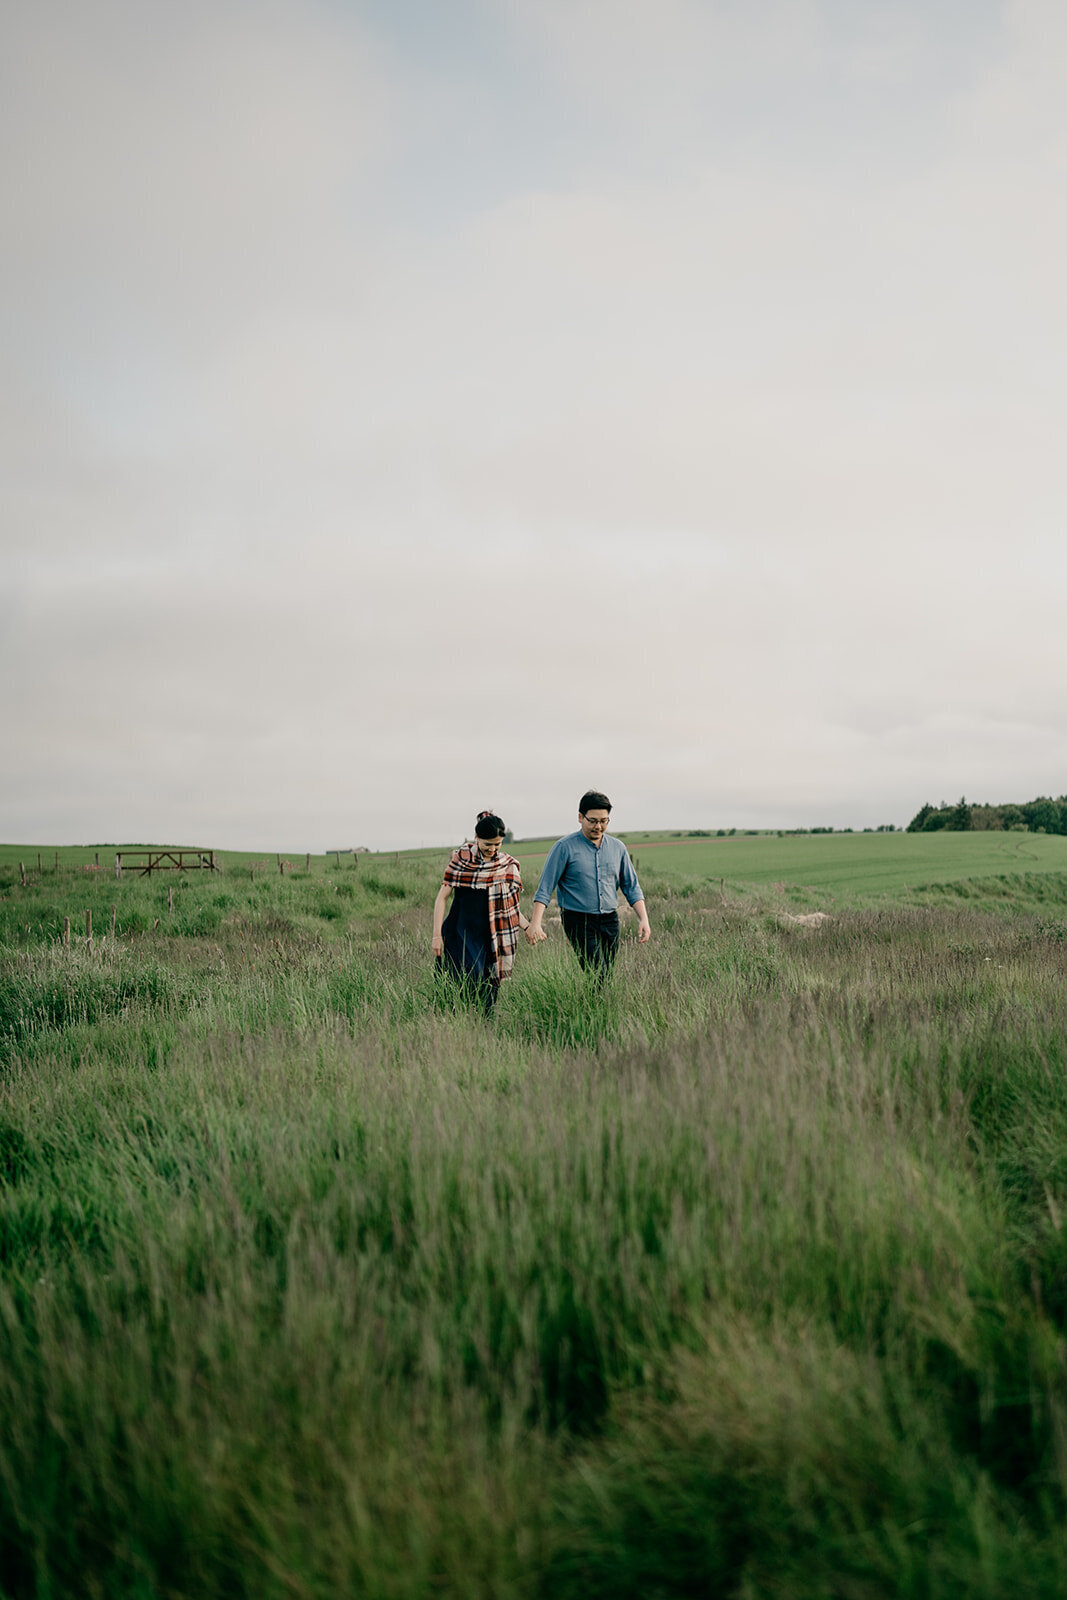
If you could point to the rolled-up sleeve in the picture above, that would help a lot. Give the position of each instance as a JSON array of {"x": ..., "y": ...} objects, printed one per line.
[
  {"x": 628, "y": 880},
  {"x": 551, "y": 873}
]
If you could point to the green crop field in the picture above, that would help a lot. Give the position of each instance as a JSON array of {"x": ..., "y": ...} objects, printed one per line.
[
  {"x": 854, "y": 863},
  {"x": 745, "y": 1276}
]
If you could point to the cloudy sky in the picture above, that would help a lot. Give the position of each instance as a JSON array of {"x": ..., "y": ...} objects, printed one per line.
[{"x": 408, "y": 406}]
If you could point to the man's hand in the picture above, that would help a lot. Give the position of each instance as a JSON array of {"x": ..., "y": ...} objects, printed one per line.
[
  {"x": 644, "y": 931},
  {"x": 534, "y": 935}
]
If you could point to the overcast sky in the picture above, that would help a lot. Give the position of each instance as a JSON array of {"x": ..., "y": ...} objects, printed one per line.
[{"x": 411, "y": 406}]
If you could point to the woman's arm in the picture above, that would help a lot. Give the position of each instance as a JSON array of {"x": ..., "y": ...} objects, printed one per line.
[
  {"x": 524, "y": 922},
  {"x": 438, "y": 917}
]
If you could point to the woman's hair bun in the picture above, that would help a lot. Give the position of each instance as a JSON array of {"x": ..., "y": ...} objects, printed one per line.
[{"x": 489, "y": 826}]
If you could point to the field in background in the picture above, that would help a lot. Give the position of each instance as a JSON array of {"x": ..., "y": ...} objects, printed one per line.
[
  {"x": 746, "y": 1277},
  {"x": 856, "y": 863},
  {"x": 865, "y": 864}
]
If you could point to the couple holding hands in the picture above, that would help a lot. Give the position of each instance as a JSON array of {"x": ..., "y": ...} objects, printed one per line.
[{"x": 585, "y": 870}]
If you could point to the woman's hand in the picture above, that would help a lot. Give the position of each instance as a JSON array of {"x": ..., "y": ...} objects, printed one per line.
[
  {"x": 437, "y": 942},
  {"x": 534, "y": 935}
]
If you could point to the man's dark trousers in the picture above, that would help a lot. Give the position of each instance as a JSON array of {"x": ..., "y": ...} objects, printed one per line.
[{"x": 595, "y": 937}]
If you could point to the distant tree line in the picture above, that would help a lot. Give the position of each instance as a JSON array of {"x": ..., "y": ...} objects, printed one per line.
[{"x": 1034, "y": 816}]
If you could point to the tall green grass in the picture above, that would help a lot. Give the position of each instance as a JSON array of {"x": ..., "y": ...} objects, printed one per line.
[{"x": 745, "y": 1276}]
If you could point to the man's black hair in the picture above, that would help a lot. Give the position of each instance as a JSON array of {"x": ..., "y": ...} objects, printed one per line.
[
  {"x": 593, "y": 800},
  {"x": 489, "y": 826}
]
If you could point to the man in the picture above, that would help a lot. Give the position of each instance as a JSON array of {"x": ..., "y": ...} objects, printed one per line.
[{"x": 585, "y": 870}]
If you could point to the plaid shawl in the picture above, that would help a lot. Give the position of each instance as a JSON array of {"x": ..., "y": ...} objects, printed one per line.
[{"x": 502, "y": 879}]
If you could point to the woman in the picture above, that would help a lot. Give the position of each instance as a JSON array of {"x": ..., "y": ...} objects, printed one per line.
[{"x": 476, "y": 941}]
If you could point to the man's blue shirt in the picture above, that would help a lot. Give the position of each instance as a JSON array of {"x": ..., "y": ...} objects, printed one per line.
[{"x": 587, "y": 879}]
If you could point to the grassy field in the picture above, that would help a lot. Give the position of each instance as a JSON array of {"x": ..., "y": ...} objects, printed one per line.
[
  {"x": 863, "y": 865},
  {"x": 745, "y": 1277},
  {"x": 857, "y": 864}
]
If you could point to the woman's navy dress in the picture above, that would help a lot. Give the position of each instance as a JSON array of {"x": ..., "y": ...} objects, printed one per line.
[{"x": 468, "y": 946}]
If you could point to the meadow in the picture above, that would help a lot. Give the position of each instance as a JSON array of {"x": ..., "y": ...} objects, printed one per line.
[
  {"x": 859, "y": 865},
  {"x": 745, "y": 1277}
]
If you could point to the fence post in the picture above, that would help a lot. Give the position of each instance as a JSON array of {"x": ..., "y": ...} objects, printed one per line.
[
  {"x": 307, "y": 862},
  {"x": 40, "y": 869},
  {"x": 57, "y": 860},
  {"x": 96, "y": 857},
  {"x": 170, "y": 901},
  {"x": 118, "y": 865},
  {"x": 22, "y": 873},
  {"x": 66, "y": 932},
  {"x": 89, "y": 931}
]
